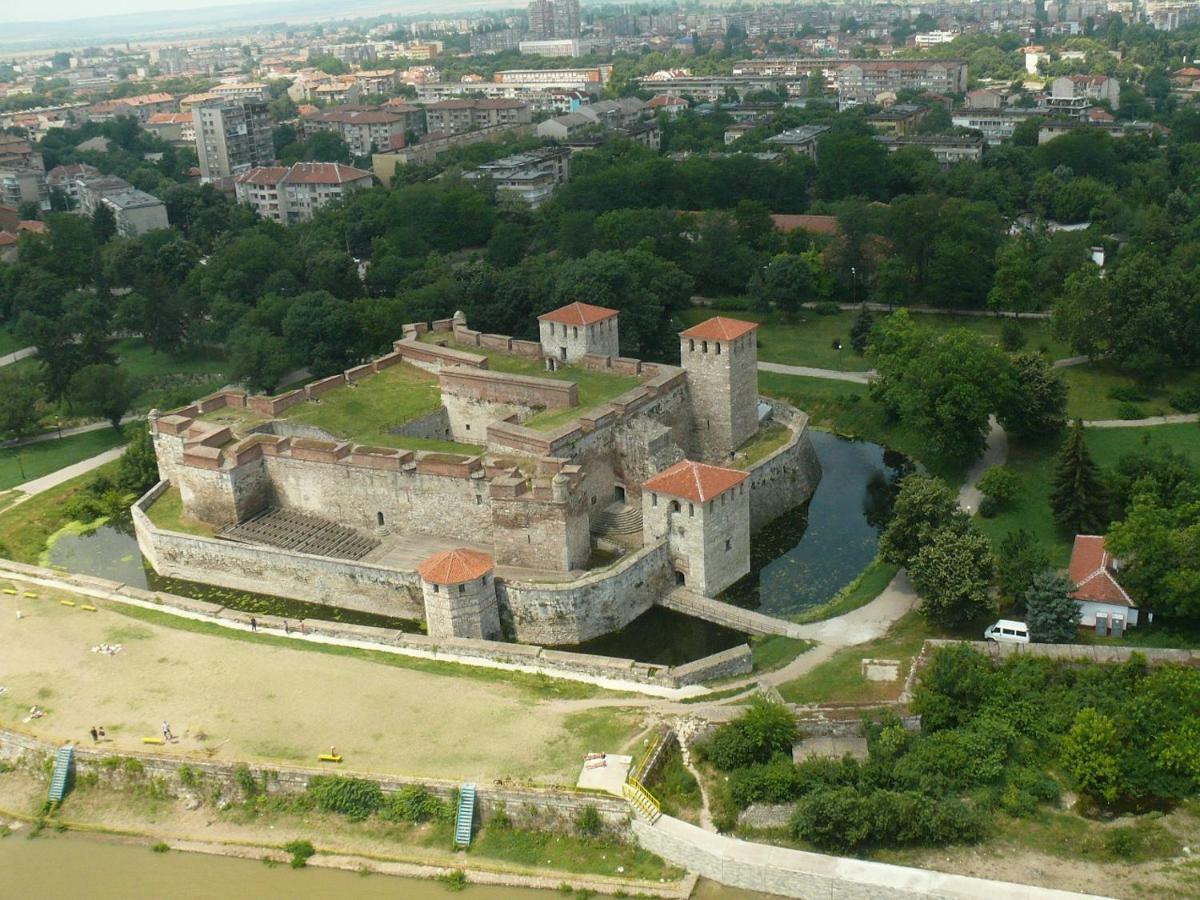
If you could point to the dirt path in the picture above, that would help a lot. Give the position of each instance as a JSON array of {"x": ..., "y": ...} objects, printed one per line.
[
  {"x": 54, "y": 479},
  {"x": 810, "y": 372},
  {"x": 995, "y": 454},
  {"x": 1180, "y": 419}
]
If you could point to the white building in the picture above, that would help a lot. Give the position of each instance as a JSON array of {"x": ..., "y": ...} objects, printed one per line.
[{"x": 293, "y": 195}]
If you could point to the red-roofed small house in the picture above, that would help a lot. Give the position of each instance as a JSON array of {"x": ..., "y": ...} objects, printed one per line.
[
  {"x": 573, "y": 331},
  {"x": 1097, "y": 591},
  {"x": 459, "y": 590},
  {"x": 703, "y": 512}
]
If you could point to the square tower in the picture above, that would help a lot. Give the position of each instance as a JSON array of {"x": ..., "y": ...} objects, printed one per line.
[
  {"x": 704, "y": 514},
  {"x": 577, "y": 329},
  {"x": 720, "y": 357}
]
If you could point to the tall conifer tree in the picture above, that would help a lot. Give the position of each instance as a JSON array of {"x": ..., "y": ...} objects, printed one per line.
[{"x": 1078, "y": 497}]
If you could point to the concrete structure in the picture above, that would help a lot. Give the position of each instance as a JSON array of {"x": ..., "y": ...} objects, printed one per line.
[
  {"x": 550, "y": 19},
  {"x": 380, "y": 82},
  {"x": 561, "y": 128},
  {"x": 135, "y": 212},
  {"x": 862, "y": 81},
  {"x": 459, "y": 588},
  {"x": 996, "y": 125},
  {"x": 717, "y": 88},
  {"x": 432, "y": 145},
  {"x": 1073, "y": 95},
  {"x": 899, "y": 119},
  {"x": 947, "y": 149},
  {"x": 365, "y": 129},
  {"x": 557, "y": 47},
  {"x": 293, "y": 195},
  {"x": 141, "y": 107},
  {"x": 252, "y": 91},
  {"x": 526, "y": 496},
  {"x": 572, "y": 332},
  {"x": 231, "y": 137},
  {"x": 1097, "y": 591},
  {"x": 802, "y": 140}
]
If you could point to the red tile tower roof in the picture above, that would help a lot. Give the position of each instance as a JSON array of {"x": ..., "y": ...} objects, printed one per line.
[
  {"x": 1092, "y": 571},
  {"x": 719, "y": 328},
  {"x": 578, "y": 314},
  {"x": 694, "y": 481},
  {"x": 456, "y": 566}
]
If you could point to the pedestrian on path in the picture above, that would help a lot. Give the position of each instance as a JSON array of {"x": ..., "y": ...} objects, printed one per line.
[
  {"x": 166, "y": 730},
  {"x": 95, "y": 735},
  {"x": 253, "y": 624}
]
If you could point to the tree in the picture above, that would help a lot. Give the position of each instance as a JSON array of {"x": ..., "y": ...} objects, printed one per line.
[
  {"x": 137, "y": 470},
  {"x": 1091, "y": 756},
  {"x": 19, "y": 393},
  {"x": 1050, "y": 612},
  {"x": 104, "y": 223},
  {"x": 1078, "y": 497},
  {"x": 1036, "y": 404},
  {"x": 104, "y": 391},
  {"x": 1000, "y": 485},
  {"x": 1159, "y": 542},
  {"x": 1013, "y": 286},
  {"x": 952, "y": 573},
  {"x": 762, "y": 731},
  {"x": 792, "y": 280},
  {"x": 923, "y": 506},
  {"x": 1020, "y": 558},
  {"x": 860, "y": 331},
  {"x": 259, "y": 358}
]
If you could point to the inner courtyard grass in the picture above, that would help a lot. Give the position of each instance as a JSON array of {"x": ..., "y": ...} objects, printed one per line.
[
  {"x": 167, "y": 512},
  {"x": 765, "y": 442},
  {"x": 21, "y": 464},
  {"x": 806, "y": 338}
]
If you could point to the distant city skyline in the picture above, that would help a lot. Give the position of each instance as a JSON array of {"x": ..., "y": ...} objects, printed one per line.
[{"x": 66, "y": 10}]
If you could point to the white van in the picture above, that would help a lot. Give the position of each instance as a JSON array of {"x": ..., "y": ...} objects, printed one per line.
[{"x": 1006, "y": 631}]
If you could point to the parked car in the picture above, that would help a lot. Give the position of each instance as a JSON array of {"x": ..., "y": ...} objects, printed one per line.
[{"x": 1006, "y": 631}]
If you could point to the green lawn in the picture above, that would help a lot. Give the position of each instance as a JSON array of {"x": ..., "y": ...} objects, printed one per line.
[
  {"x": 167, "y": 512},
  {"x": 21, "y": 464},
  {"x": 840, "y": 677},
  {"x": 166, "y": 378},
  {"x": 595, "y": 388},
  {"x": 1091, "y": 388},
  {"x": 8, "y": 343},
  {"x": 1035, "y": 468},
  {"x": 364, "y": 413},
  {"x": 765, "y": 442},
  {"x": 773, "y": 651},
  {"x": 25, "y": 528},
  {"x": 806, "y": 338}
]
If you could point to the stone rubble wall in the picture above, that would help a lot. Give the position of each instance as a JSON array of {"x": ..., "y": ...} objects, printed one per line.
[{"x": 787, "y": 477}]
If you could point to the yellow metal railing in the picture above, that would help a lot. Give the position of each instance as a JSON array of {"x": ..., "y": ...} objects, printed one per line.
[{"x": 642, "y": 800}]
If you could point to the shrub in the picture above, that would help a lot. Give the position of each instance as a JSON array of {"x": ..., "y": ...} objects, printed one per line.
[
  {"x": 826, "y": 308},
  {"x": 833, "y": 819},
  {"x": 160, "y": 847},
  {"x": 454, "y": 881},
  {"x": 774, "y": 782},
  {"x": 413, "y": 804},
  {"x": 590, "y": 823},
  {"x": 356, "y": 798},
  {"x": 1130, "y": 411},
  {"x": 1130, "y": 393},
  {"x": 189, "y": 777},
  {"x": 1012, "y": 336},
  {"x": 989, "y": 508},
  {"x": 754, "y": 737},
  {"x": 301, "y": 851},
  {"x": 1187, "y": 400},
  {"x": 246, "y": 782}
]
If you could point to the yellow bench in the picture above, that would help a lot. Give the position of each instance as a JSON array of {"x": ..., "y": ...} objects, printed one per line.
[
  {"x": 67, "y": 602},
  {"x": 32, "y": 595},
  {"x": 88, "y": 607},
  {"x": 325, "y": 757},
  {"x": 12, "y": 591},
  {"x": 153, "y": 740}
]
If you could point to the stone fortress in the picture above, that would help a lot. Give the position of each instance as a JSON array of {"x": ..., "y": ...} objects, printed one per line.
[{"x": 554, "y": 490}]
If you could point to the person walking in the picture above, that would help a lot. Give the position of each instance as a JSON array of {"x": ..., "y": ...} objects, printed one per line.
[
  {"x": 166, "y": 730},
  {"x": 95, "y": 735},
  {"x": 253, "y": 624}
]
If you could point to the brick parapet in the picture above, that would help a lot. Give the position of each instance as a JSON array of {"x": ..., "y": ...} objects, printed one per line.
[{"x": 506, "y": 387}]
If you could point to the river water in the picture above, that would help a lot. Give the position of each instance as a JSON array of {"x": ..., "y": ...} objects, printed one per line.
[{"x": 85, "y": 868}]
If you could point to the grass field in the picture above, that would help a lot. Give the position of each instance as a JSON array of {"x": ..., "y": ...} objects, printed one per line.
[
  {"x": 25, "y": 528},
  {"x": 595, "y": 388},
  {"x": 765, "y": 442},
  {"x": 167, "y": 512},
  {"x": 1091, "y": 387},
  {"x": 806, "y": 338},
  {"x": 21, "y": 464},
  {"x": 1035, "y": 469},
  {"x": 8, "y": 343},
  {"x": 167, "y": 378}
]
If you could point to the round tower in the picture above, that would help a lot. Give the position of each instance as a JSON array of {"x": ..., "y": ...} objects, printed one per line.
[{"x": 459, "y": 589}]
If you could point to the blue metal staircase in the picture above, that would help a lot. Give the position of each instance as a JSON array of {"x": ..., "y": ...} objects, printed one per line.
[
  {"x": 466, "y": 816},
  {"x": 64, "y": 763}
]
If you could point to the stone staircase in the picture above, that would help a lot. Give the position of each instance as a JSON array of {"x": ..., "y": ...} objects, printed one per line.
[{"x": 618, "y": 518}]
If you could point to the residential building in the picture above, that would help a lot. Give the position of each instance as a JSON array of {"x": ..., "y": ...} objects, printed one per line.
[
  {"x": 529, "y": 177},
  {"x": 614, "y": 113},
  {"x": 648, "y": 134},
  {"x": 1103, "y": 603},
  {"x": 983, "y": 98},
  {"x": 933, "y": 38},
  {"x": 231, "y": 137},
  {"x": 186, "y": 103},
  {"x": 801, "y": 140},
  {"x": 242, "y": 91},
  {"x": 435, "y": 143},
  {"x": 453, "y": 116},
  {"x": 66, "y": 179},
  {"x": 1072, "y": 95},
  {"x": 671, "y": 106},
  {"x": 135, "y": 212},
  {"x": 422, "y": 49},
  {"x": 899, "y": 119},
  {"x": 715, "y": 88},
  {"x": 495, "y": 41},
  {"x": 363, "y": 128},
  {"x": 553, "y": 19},
  {"x": 140, "y": 108},
  {"x": 336, "y": 91},
  {"x": 947, "y": 149},
  {"x": 557, "y": 47},
  {"x": 24, "y": 184},
  {"x": 560, "y": 128},
  {"x": 177, "y": 128},
  {"x": 862, "y": 80},
  {"x": 414, "y": 116},
  {"x": 584, "y": 76},
  {"x": 290, "y": 195},
  {"x": 378, "y": 82},
  {"x": 359, "y": 54},
  {"x": 996, "y": 125},
  {"x": 1049, "y": 130}
]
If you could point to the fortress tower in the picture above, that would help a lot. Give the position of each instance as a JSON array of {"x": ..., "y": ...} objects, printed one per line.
[
  {"x": 704, "y": 513},
  {"x": 459, "y": 589},
  {"x": 721, "y": 359},
  {"x": 577, "y": 329}
]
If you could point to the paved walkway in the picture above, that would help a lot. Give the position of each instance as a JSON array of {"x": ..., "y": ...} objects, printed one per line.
[
  {"x": 995, "y": 454},
  {"x": 1070, "y": 361},
  {"x": 1143, "y": 423},
  {"x": 810, "y": 372},
  {"x": 17, "y": 355},
  {"x": 796, "y": 873},
  {"x": 54, "y": 479}
]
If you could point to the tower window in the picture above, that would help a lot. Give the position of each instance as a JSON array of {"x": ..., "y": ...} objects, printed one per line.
[
  {"x": 574, "y": 331},
  {"x": 718, "y": 348},
  {"x": 675, "y": 506},
  {"x": 654, "y": 499},
  {"x": 704, "y": 346},
  {"x": 436, "y": 589},
  {"x": 462, "y": 588},
  {"x": 728, "y": 544},
  {"x": 691, "y": 345},
  {"x": 691, "y": 509}
]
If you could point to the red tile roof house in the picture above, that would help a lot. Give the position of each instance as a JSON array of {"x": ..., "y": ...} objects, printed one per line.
[{"x": 1094, "y": 570}]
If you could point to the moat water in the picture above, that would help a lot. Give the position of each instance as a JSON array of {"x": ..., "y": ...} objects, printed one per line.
[{"x": 798, "y": 561}]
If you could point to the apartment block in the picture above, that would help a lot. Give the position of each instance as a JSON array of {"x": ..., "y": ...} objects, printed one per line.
[
  {"x": 454, "y": 116},
  {"x": 291, "y": 195},
  {"x": 231, "y": 137}
]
